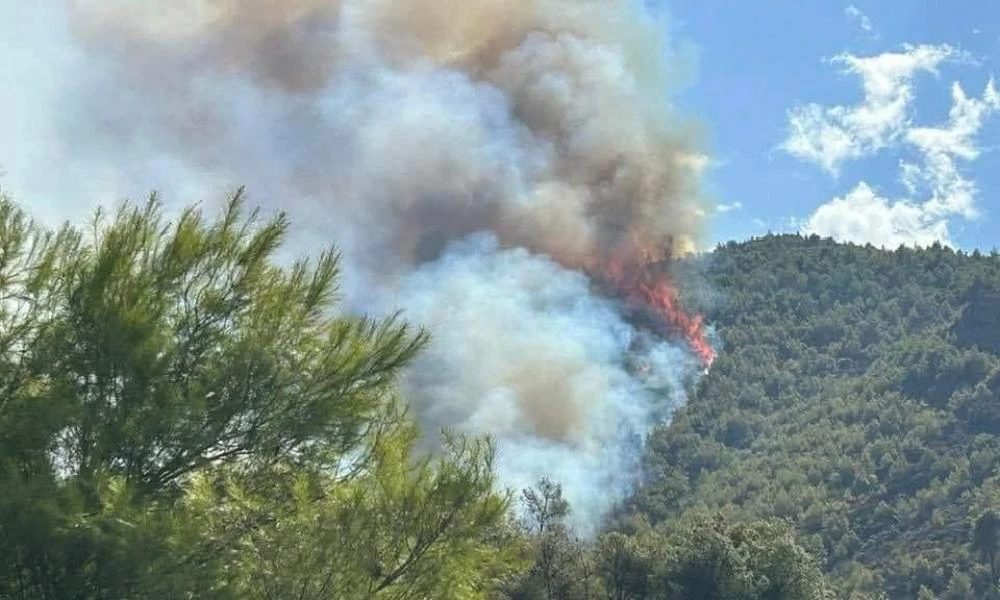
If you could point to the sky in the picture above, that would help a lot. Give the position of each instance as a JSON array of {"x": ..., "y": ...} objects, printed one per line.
[{"x": 871, "y": 122}]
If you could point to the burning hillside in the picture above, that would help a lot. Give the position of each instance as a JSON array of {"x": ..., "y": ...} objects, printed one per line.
[
  {"x": 480, "y": 164},
  {"x": 652, "y": 301}
]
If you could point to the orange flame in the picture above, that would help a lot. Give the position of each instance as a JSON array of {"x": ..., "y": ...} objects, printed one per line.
[
  {"x": 644, "y": 286},
  {"x": 636, "y": 272}
]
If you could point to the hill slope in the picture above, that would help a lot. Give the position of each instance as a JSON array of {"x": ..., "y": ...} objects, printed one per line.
[{"x": 857, "y": 395}]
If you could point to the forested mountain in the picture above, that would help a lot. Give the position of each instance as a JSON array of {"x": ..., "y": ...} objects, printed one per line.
[{"x": 857, "y": 396}]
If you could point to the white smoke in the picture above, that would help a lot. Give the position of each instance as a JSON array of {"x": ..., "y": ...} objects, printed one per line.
[
  {"x": 522, "y": 350},
  {"x": 472, "y": 159}
]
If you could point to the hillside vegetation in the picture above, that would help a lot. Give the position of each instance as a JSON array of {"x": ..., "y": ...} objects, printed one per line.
[
  {"x": 858, "y": 397},
  {"x": 182, "y": 416}
]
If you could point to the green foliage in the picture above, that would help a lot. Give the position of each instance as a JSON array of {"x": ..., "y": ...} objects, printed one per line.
[
  {"x": 545, "y": 505},
  {"x": 396, "y": 531},
  {"x": 986, "y": 542},
  {"x": 698, "y": 557},
  {"x": 562, "y": 566},
  {"x": 710, "y": 559},
  {"x": 182, "y": 416},
  {"x": 856, "y": 396}
]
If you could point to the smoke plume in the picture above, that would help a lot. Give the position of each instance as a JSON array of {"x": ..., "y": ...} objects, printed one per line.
[{"x": 508, "y": 172}]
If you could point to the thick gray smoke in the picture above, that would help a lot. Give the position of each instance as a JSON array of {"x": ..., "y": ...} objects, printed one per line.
[{"x": 474, "y": 160}]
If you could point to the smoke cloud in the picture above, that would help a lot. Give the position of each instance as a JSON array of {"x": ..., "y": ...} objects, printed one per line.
[
  {"x": 525, "y": 351},
  {"x": 505, "y": 171}
]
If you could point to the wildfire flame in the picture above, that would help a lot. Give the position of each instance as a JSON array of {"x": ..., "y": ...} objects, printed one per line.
[{"x": 644, "y": 286}]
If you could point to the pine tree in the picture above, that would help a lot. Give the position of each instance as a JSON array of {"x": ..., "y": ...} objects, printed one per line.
[{"x": 183, "y": 416}]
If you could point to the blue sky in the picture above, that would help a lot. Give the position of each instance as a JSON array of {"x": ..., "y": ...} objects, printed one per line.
[{"x": 758, "y": 64}]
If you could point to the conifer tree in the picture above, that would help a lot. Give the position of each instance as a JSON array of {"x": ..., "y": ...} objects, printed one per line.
[{"x": 183, "y": 416}]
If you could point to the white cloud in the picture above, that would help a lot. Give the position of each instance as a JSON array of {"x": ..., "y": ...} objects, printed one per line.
[
  {"x": 724, "y": 208},
  {"x": 937, "y": 188},
  {"x": 863, "y": 217},
  {"x": 964, "y": 120},
  {"x": 854, "y": 13},
  {"x": 829, "y": 135},
  {"x": 940, "y": 148}
]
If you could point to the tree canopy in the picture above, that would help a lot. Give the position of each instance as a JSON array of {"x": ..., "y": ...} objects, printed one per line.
[
  {"x": 183, "y": 416},
  {"x": 857, "y": 396}
]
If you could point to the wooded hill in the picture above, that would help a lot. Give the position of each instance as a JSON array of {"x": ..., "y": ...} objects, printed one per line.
[{"x": 857, "y": 395}]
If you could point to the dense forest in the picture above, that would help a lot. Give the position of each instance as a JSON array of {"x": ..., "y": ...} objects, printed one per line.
[
  {"x": 857, "y": 397},
  {"x": 183, "y": 416}
]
